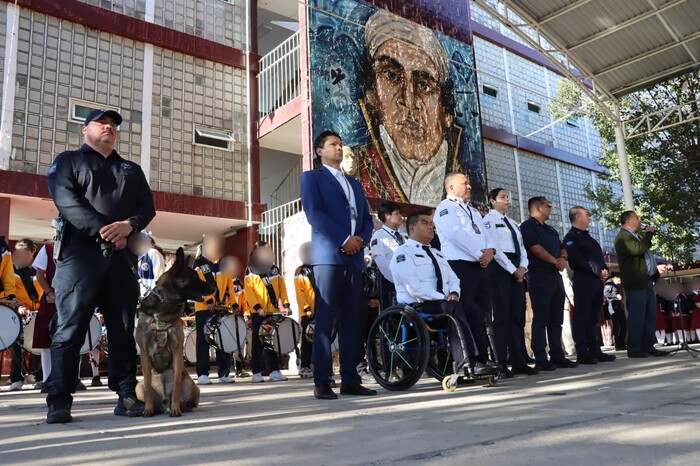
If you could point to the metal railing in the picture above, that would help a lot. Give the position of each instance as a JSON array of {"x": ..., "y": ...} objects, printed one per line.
[
  {"x": 279, "y": 77},
  {"x": 270, "y": 230},
  {"x": 289, "y": 188}
]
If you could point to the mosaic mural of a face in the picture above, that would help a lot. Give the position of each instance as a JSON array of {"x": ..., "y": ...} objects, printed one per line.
[{"x": 401, "y": 95}]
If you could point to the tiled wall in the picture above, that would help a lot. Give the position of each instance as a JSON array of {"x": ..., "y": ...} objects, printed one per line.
[
  {"x": 215, "y": 20},
  {"x": 3, "y": 27},
  {"x": 57, "y": 60},
  {"x": 500, "y": 172},
  {"x": 189, "y": 91}
]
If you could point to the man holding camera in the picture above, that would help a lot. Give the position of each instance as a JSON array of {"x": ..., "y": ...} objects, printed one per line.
[{"x": 101, "y": 199}]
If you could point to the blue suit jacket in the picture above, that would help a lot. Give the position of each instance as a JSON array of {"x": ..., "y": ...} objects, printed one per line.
[{"x": 328, "y": 212}]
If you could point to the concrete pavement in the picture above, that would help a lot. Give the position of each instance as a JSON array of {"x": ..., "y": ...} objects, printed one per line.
[{"x": 630, "y": 411}]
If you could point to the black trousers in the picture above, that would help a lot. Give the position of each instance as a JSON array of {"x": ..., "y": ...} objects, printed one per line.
[
  {"x": 306, "y": 345},
  {"x": 619, "y": 326},
  {"x": 223, "y": 360},
  {"x": 259, "y": 351},
  {"x": 588, "y": 303},
  {"x": 475, "y": 297},
  {"x": 547, "y": 296},
  {"x": 387, "y": 293},
  {"x": 455, "y": 309},
  {"x": 367, "y": 317},
  {"x": 85, "y": 280},
  {"x": 508, "y": 298}
]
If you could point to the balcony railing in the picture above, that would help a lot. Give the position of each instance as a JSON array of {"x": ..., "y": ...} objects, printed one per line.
[
  {"x": 279, "y": 76},
  {"x": 270, "y": 229}
]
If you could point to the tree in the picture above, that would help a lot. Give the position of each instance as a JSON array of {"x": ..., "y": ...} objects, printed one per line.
[{"x": 664, "y": 166}]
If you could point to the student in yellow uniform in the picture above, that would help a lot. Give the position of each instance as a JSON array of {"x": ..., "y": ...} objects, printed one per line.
[
  {"x": 305, "y": 300},
  {"x": 208, "y": 268},
  {"x": 27, "y": 295},
  {"x": 265, "y": 293},
  {"x": 7, "y": 272}
]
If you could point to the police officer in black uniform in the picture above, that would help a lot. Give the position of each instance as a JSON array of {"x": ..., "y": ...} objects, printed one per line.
[
  {"x": 101, "y": 199},
  {"x": 547, "y": 257},
  {"x": 590, "y": 273}
]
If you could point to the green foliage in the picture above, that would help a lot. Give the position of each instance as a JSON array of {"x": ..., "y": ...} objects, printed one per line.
[{"x": 664, "y": 166}]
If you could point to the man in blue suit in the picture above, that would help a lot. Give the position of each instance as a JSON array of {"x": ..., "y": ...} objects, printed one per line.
[{"x": 341, "y": 225}]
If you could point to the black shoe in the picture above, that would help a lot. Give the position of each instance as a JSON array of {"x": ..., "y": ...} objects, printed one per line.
[
  {"x": 506, "y": 373},
  {"x": 324, "y": 392},
  {"x": 656, "y": 353},
  {"x": 332, "y": 384},
  {"x": 129, "y": 406},
  {"x": 587, "y": 360},
  {"x": 564, "y": 363},
  {"x": 530, "y": 360},
  {"x": 356, "y": 389},
  {"x": 58, "y": 415},
  {"x": 80, "y": 387},
  {"x": 604, "y": 357},
  {"x": 545, "y": 366},
  {"x": 636, "y": 354},
  {"x": 479, "y": 368},
  {"x": 525, "y": 370},
  {"x": 96, "y": 382}
]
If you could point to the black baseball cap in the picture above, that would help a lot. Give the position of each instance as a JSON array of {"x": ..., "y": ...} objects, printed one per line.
[{"x": 97, "y": 114}]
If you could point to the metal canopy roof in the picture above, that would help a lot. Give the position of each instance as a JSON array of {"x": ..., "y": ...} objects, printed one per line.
[{"x": 616, "y": 47}]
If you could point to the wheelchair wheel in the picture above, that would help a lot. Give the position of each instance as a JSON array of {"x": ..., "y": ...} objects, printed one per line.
[
  {"x": 397, "y": 348},
  {"x": 440, "y": 357}
]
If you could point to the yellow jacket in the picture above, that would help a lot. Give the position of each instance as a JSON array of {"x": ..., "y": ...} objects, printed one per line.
[
  {"x": 225, "y": 294},
  {"x": 7, "y": 275},
  {"x": 304, "y": 290},
  {"x": 22, "y": 295},
  {"x": 257, "y": 297}
]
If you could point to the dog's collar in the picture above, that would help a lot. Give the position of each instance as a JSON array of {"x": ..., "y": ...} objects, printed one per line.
[{"x": 155, "y": 292}]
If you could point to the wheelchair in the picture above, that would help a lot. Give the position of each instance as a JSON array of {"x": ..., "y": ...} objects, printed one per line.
[{"x": 403, "y": 344}]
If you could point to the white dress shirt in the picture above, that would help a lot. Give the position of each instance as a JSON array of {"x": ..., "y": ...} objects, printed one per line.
[
  {"x": 503, "y": 239},
  {"x": 462, "y": 231},
  {"x": 414, "y": 274},
  {"x": 349, "y": 195},
  {"x": 383, "y": 245}
]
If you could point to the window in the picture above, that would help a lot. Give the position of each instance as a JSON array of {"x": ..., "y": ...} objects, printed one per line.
[
  {"x": 533, "y": 107},
  {"x": 490, "y": 91},
  {"x": 573, "y": 122},
  {"x": 213, "y": 138},
  {"x": 79, "y": 109}
]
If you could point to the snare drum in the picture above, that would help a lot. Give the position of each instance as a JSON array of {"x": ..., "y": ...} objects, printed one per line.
[
  {"x": 190, "y": 346},
  {"x": 280, "y": 334},
  {"x": 29, "y": 336},
  {"x": 92, "y": 338},
  {"x": 226, "y": 332},
  {"x": 10, "y": 327},
  {"x": 309, "y": 335}
]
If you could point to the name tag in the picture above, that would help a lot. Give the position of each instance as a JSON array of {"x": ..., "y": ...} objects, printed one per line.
[
  {"x": 476, "y": 229},
  {"x": 353, "y": 213}
]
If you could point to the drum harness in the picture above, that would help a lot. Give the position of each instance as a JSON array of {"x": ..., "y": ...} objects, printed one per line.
[{"x": 273, "y": 299}]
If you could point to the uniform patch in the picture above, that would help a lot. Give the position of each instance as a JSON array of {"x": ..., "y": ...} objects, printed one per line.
[
  {"x": 205, "y": 268},
  {"x": 400, "y": 258},
  {"x": 569, "y": 243},
  {"x": 374, "y": 242},
  {"x": 420, "y": 255},
  {"x": 443, "y": 212},
  {"x": 145, "y": 266},
  {"x": 126, "y": 166},
  {"x": 487, "y": 225},
  {"x": 52, "y": 169}
]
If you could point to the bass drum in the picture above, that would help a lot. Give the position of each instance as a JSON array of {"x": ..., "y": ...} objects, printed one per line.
[
  {"x": 280, "y": 334},
  {"x": 226, "y": 332},
  {"x": 92, "y": 338},
  {"x": 190, "y": 346},
  {"x": 10, "y": 327},
  {"x": 29, "y": 336}
]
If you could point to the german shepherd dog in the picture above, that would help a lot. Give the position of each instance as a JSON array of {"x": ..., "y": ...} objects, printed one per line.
[{"x": 160, "y": 336}]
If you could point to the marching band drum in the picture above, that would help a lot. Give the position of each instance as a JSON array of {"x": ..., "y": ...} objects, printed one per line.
[
  {"x": 10, "y": 327},
  {"x": 227, "y": 332},
  {"x": 280, "y": 334}
]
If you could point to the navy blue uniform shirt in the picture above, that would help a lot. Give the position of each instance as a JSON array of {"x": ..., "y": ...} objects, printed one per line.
[
  {"x": 536, "y": 233},
  {"x": 91, "y": 191},
  {"x": 585, "y": 254}
]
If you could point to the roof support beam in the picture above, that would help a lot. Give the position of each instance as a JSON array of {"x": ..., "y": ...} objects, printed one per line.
[
  {"x": 624, "y": 24},
  {"x": 563, "y": 11},
  {"x": 673, "y": 33}
]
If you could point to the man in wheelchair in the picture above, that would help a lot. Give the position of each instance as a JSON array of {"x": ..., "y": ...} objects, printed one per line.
[{"x": 425, "y": 280}]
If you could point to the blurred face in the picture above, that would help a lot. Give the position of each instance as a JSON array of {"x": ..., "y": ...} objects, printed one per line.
[
  {"x": 22, "y": 258},
  {"x": 502, "y": 201},
  {"x": 213, "y": 246},
  {"x": 101, "y": 133},
  {"x": 408, "y": 98},
  {"x": 332, "y": 151},
  {"x": 231, "y": 266},
  {"x": 264, "y": 258},
  {"x": 459, "y": 186},
  {"x": 634, "y": 222},
  {"x": 394, "y": 220},
  {"x": 424, "y": 230},
  {"x": 305, "y": 253}
]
